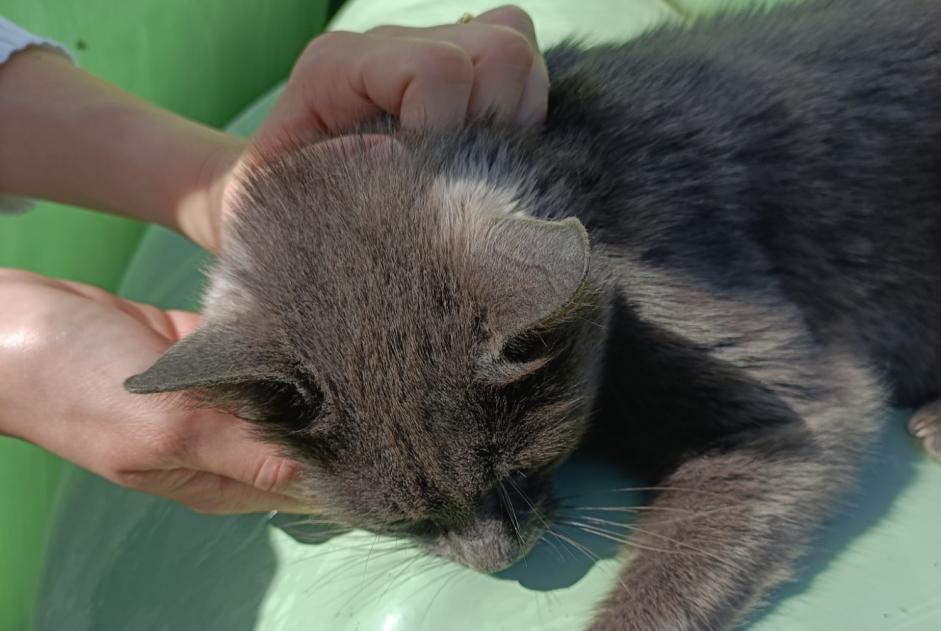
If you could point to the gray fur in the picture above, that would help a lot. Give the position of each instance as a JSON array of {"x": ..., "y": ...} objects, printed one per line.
[{"x": 763, "y": 199}]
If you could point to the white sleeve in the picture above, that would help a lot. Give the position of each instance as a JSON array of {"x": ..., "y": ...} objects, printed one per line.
[{"x": 14, "y": 39}]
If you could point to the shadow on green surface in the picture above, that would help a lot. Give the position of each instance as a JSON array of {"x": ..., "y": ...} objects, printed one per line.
[
  {"x": 122, "y": 560},
  {"x": 155, "y": 565}
]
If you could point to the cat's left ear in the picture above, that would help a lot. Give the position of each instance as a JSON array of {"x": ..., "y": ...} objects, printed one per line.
[{"x": 536, "y": 271}]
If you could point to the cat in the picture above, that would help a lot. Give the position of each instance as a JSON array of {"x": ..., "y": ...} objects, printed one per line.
[{"x": 719, "y": 261}]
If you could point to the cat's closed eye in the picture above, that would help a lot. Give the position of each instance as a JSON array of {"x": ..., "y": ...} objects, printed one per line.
[
  {"x": 286, "y": 405},
  {"x": 521, "y": 357}
]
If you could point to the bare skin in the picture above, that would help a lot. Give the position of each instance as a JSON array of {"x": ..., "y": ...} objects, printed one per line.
[{"x": 70, "y": 137}]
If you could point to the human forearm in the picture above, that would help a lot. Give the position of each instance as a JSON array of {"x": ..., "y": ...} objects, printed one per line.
[{"x": 70, "y": 137}]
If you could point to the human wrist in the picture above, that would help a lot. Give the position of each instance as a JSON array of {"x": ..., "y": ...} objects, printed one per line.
[{"x": 198, "y": 211}]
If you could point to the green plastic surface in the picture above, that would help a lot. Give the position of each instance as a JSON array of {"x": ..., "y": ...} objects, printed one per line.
[
  {"x": 121, "y": 560},
  {"x": 206, "y": 59}
]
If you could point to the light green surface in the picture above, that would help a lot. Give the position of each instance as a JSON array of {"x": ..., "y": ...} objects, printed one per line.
[
  {"x": 206, "y": 59},
  {"x": 125, "y": 561}
]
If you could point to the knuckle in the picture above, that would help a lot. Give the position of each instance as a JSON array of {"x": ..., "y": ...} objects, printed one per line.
[
  {"x": 512, "y": 16},
  {"x": 271, "y": 474},
  {"x": 512, "y": 47},
  {"x": 329, "y": 41},
  {"x": 445, "y": 61}
]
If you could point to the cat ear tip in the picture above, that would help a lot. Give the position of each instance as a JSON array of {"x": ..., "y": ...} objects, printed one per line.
[{"x": 139, "y": 384}]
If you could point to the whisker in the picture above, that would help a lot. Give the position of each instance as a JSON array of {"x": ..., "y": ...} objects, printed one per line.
[
  {"x": 347, "y": 572},
  {"x": 539, "y": 516},
  {"x": 591, "y": 556},
  {"x": 508, "y": 506},
  {"x": 455, "y": 573},
  {"x": 688, "y": 514},
  {"x": 402, "y": 572},
  {"x": 588, "y": 553},
  {"x": 642, "y": 489},
  {"x": 629, "y": 509},
  {"x": 620, "y": 538},
  {"x": 369, "y": 556}
]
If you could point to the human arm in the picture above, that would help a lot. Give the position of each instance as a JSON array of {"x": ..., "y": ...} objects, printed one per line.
[{"x": 70, "y": 137}]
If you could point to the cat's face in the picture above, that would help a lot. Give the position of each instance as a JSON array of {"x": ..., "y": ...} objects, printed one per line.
[{"x": 420, "y": 348}]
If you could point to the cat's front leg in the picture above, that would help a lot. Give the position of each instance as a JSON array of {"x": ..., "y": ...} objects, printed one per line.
[{"x": 730, "y": 527}]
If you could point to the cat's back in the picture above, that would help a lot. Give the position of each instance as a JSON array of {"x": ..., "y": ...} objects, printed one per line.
[{"x": 800, "y": 149}]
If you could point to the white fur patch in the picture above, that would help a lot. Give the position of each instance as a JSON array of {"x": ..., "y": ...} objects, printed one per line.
[
  {"x": 465, "y": 201},
  {"x": 225, "y": 297}
]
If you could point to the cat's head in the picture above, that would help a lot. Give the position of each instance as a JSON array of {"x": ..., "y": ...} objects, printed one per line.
[{"x": 411, "y": 337}]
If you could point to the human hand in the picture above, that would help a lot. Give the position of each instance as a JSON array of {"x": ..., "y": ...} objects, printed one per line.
[
  {"x": 65, "y": 351},
  {"x": 427, "y": 77},
  {"x": 433, "y": 77}
]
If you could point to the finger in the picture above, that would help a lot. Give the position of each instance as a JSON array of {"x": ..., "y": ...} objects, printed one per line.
[
  {"x": 501, "y": 57},
  {"x": 319, "y": 97},
  {"x": 224, "y": 445},
  {"x": 503, "y": 60},
  {"x": 512, "y": 17},
  {"x": 534, "y": 102},
  {"x": 181, "y": 323},
  {"x": 170, "y": 324},
  {"x": 210, "y": 493},
  {"x": 427, "y": 83}
]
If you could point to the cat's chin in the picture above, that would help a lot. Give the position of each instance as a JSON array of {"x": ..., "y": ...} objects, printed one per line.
[{"x": 480, "y": 550}]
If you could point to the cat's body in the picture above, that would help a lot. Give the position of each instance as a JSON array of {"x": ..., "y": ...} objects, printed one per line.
[{"x": 763, "y": 200}]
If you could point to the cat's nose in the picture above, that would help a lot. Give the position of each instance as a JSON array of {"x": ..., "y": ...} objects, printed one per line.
[
  {"x": 487, "y": 546},
  {"x": 514, "y": 499},
  {"x": 506, "y": 526}
]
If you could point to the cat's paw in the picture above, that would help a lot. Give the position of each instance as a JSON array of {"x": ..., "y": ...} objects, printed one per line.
[{"x": 925, "y": 425}]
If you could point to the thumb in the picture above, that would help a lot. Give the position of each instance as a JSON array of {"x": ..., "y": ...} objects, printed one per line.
[
  {"x": 206, "y": 492},
  {"x": 182, "y": 323}
]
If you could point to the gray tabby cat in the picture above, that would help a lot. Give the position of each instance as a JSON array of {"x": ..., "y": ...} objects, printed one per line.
[{"x": 720, "y": 260}]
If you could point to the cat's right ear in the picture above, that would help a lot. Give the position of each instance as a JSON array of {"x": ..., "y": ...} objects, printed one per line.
[{"x": 230, "y": 374}]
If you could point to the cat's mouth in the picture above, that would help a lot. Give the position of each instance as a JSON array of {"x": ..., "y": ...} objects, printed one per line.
[{"x": 489, "y": 545}]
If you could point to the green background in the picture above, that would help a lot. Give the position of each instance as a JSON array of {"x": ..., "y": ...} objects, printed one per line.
[{"x": 205, "y": 59}]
